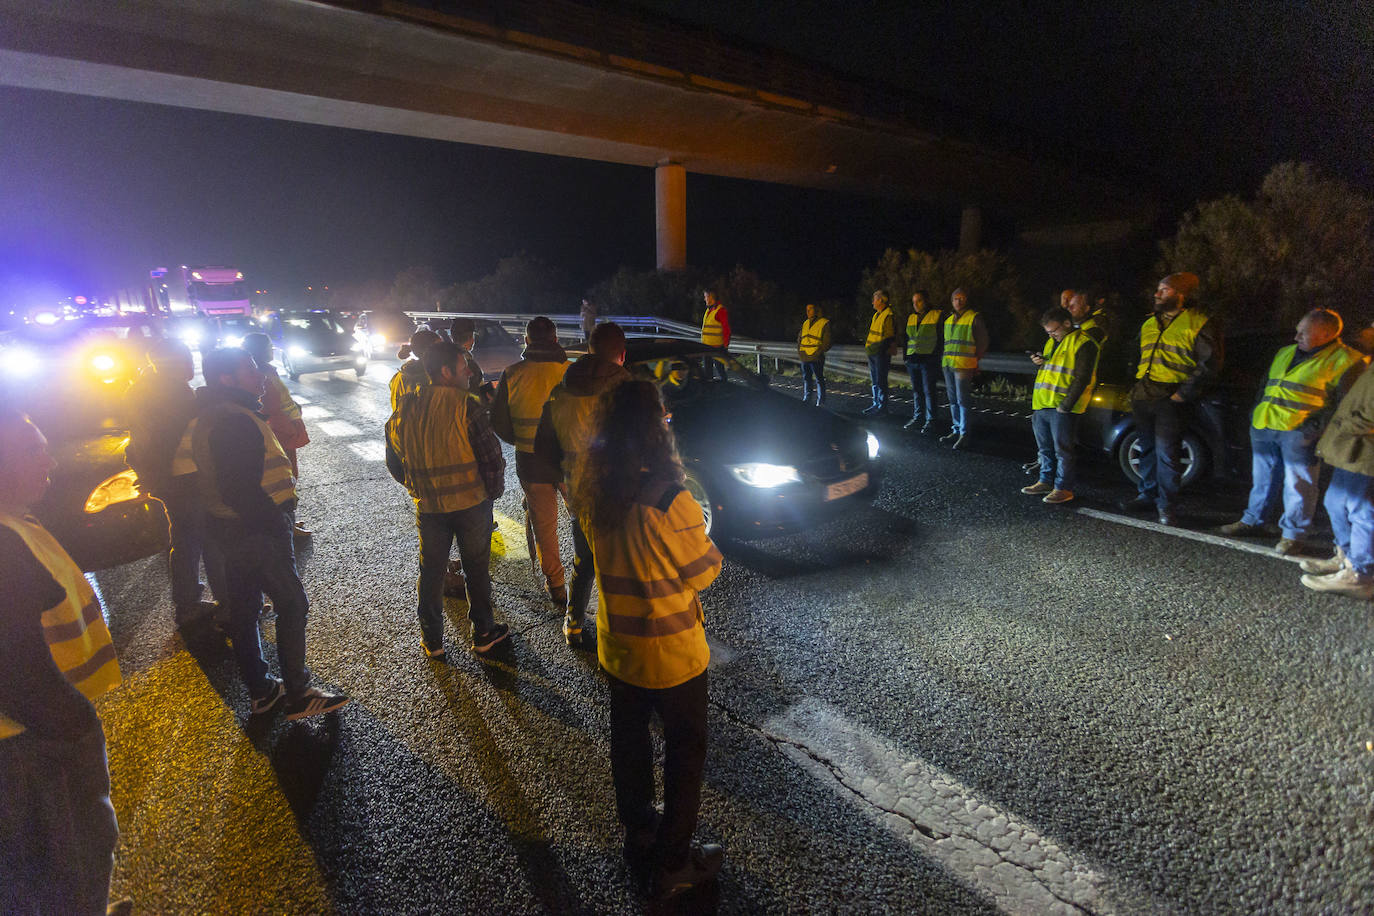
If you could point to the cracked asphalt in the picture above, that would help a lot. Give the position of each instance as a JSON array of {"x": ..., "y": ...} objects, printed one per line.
[{"x": 957, "y": 700}]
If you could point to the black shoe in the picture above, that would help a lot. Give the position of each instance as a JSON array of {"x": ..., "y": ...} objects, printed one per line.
[
  {"x": 1136, "y": 504},
  {"x": 871, "y": 409},
  {"x": 267, "y": 702},
  {"x": 702, "y": 864},
  {"x": 314, "y": 702},
  {"x": 949, "y": 436},
  {"x": 926, "y": 428},
  {"x": 910, "y": 423},
  {"x": 482, "y": 643}
]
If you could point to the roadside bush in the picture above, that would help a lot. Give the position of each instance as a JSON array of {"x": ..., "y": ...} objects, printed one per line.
[{"x": 520, "y": 284}]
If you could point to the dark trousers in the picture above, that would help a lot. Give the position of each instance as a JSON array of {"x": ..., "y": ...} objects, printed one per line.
[
  {"x": 584, "y": 569},
  {"x": 813, "y": 376},
  {"x": 923, "y": 371},
  {"x": 878, "y": 367},
  {"x": 683, "y": 711},
  {"x": 57, "y": 826},
  {"x": 257, "y": 562},
  {"x": 189, "y": 545},
  {"x": 1160, "y": 425},
  {"x": 471, "y": 528}
]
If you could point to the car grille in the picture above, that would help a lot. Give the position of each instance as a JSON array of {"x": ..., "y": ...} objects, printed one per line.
[{"x": 838, "y": 462}]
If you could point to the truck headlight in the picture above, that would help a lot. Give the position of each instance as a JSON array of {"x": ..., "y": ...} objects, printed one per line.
[
  {"x": 297, "y": 352},
  {"x": 122, "y": 487},
  {"x": 20, "y": 363},
  {"x": 872, "y": 446},
  {"x": 233, "y": 341},
  {"x": 758, "y": 474}
]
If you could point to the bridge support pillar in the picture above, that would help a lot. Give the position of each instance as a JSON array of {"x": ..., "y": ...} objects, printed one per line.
[
  {"x": 670, "y": 197},
  {"x": 970, "y": 229}
]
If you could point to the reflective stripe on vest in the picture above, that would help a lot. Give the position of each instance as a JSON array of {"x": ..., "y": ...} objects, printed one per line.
[
  {"x": 528, "y": 384},
  {"x": 649, "y": 570},
  {"x": 922, "y": 332},
  {"x": 812, "y": 334},
  {"x": 961, "y": 351},
  {"x": 1168, "y": 357},
  {"x": 276, "y": 480},
  {"x": 712, "y": 331},
  {"x": 1053, "y": 380},
  {"x": 430, "y": 434},
  {"x": 1293, "y": 393},
  {"x": 74, "y": 628},
  {"x": 880, "y": 328}
]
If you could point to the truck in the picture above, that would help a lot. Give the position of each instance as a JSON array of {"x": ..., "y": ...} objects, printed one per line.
[{"x": 207, "y": 292}]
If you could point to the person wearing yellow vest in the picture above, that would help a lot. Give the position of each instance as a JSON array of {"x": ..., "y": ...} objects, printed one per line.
[
  {"x": 878, "y": 346},
  {"x": 411, "y": 376},
  {"x": 57, "y": 827},
  {"x": 245, "y": 482},
  {"x": 282, "y": 412},
  {"x": 715, "y": 331},
  {"x": 1305, "y": 381},
  {"x": 1090, "y": 321},
  {"x": 521, "y": 393},
  {"x": 440, "y": 446},
  {"x": 565, "y": 430},
  {"x": 1180, "y": 350},
  {"x": 966, "y": 340},
  {"x": 923, "y": 328},
  {"x": 653, "y": 558},
  {"x": 813, "y": 341},
  {"x": 1063, "y": 387}
]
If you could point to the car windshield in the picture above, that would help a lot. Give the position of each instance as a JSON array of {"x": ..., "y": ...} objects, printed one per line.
[
  {"x": 219, "y": 292},
  {"x": 680, "y": 376},
  {"x": 314, "y": 323}
]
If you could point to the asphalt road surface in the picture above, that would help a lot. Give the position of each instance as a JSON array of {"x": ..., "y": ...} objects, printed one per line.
[{"x": 959, "y": 700}]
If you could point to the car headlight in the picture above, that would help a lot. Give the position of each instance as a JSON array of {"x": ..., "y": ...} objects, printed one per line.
[
  {"x": 297, "y": 352},
  {"x": 872, "y": 446},
  {"x": 758, "y": 474},
  {"x": 122, "y": 487},
  {"x": 379, "y": 340},
  {"x": 20, "y": 363},
  {"x": 357, "y": 347},
  {"x": 233, "y": 341},
  {"x": 191, "y": 335}
]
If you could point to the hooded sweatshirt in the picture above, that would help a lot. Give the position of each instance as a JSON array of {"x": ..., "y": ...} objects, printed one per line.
[{"x": 565, "y": 426}]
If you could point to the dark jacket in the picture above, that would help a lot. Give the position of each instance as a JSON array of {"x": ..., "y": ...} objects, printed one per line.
[
  {"x": 584, "y": 382},
  {"x": 159, "y": 408},
  {"x": 236, "y": 444}
]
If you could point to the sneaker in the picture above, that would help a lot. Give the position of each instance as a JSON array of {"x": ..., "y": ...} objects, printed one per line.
[
  {"x": 266, "y": 702},
  {"x": 1286, "y": 547},
  {"x": 701, "y": 866},
  {"x": 1136, "y": 504},
  {"x": 959, "y": 442},
  {"x": 1039, "y": 488},
  {"x": 910, "y": 423},
  {"x": 299, "y": 530},
  {"x": 1344, "y": 581},
  {"x": 315, "y": 702},
  {"x": 1054, "y": 497},
  {"x": 926, "y": 428},
  {"x": 872, "y": 409},
  {"x": 482, "y": 643},
  {"x": 1326, "y": 566},
  {"x": 1240, "y": 529},
  {"x": 1168, "y": 520},
  {"x": 558, "y": 594},
  {"x": 572, "y": 629},
  {"x": 948, "y": 437},
  {"x": 435, "y": 650}
]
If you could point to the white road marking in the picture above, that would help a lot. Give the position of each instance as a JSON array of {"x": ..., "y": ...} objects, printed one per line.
[
  {"x": 369, "y": 450},
  {"x": 991, "y": 850},
  {"x": 1184, "y": 533},
  {"x": 314, "y": 413},
  {"x": 339, "y": 429}
]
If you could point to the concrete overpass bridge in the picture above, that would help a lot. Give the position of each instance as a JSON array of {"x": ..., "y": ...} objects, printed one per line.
[{"x": 558, "y": 78}]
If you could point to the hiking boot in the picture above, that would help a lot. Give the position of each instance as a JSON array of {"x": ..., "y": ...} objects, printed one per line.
[
  {"x": 1325, "y": 566},
  {"x": 572, "y": 629},
  {"x": 1054, "y": 497},
  {"x": 1240, "y": 529},
  {"x": 1286, "y": 547},
  {"x": 266, "y": 702},
  {"x": 702, "y": 864},
  {"x": 1344, "y": 581},
  {"x": 482, "y": 643},
  {"x": 1039, "y": 488},
  {"x": 315, "y": 702}
]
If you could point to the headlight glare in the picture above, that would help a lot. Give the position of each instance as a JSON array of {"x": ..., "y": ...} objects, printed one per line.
[
  {"x": 20, "y": 363},
  {"x": 872, "y": 446},
  {"x": 759, "y": 474},
  {"x": 297, "y": 352},
  {"x": 233, "y": 341}
]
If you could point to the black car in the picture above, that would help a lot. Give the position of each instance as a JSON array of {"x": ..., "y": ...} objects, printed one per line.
[
  {"x": 314, "y": 340},
  {"x": 758, "y": 462}
]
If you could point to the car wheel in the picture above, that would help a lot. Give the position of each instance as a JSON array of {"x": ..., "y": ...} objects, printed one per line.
[
  {"x": 290, "y": 368},
  {"x": 1194, "y": 458},
  {"x": 698, "y": 491}
]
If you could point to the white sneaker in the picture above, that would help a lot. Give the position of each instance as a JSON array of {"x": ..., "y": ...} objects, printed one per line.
[{"x": 1344, "y": 581}]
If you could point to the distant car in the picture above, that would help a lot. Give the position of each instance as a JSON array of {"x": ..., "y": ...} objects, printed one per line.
[
  {"x": 758, "y": 462},
  {"x": 314, "y": 340},
  {"x": 383, "y": 331},
  {"x": 71, "y": 381},
  {"x": 205, "y": 334},
  {"x": 493, "y": 346}
]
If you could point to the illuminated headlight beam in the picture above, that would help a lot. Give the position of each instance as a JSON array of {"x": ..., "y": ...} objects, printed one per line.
[{"x": 767, "y": 476}]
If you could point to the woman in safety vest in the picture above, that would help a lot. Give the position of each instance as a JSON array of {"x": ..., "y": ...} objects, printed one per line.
[{"x": 653, "y": 556}]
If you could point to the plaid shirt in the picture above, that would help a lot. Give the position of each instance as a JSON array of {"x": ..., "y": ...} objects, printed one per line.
[{"x": 491, "y": 464}]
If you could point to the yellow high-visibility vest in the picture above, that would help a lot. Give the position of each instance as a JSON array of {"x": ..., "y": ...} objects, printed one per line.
[
  {"x": 410, "y": 377},
  {"x": 430, "y": 434},
  {"x": 1056, "y": 373},
  {"x": 922, "y": 332},
  {"x": 528, "y": 384},
  {"x": 649, "y": 569},
  {"x": 813, "y": 332},
  {"x": 74, "y": 628},
  {"x": 961, "y": 351},
  {"x": 712, "y": 331},
  {"x": 880, "y": 328},
  {"x": 1168, "y": 357},
  {"x": 194, "y": 454},
  {"x": 1096, "y": 322},
  {"x": 1293, "y": 393}
]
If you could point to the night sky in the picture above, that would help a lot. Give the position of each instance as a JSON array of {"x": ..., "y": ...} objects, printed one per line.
[{"x": 1198, "y": 102}]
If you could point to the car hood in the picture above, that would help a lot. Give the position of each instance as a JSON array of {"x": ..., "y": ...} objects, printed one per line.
[
  {"x": 732, "y": 424},
  {"x": 321, "y": 341}
]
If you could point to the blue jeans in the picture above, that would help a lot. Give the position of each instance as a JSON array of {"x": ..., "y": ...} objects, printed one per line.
[
  {"x": 1054, "y": 437},
  {"x": 471, "y": 528},
  {"x": 258, "y": 562},
  {"x": 1160, "y": 424},
  {"x": 1283, "y": 460},
  {"x": 957, "y": 390},
  {"x": 878, "y": 367},
  {"x": 921, "y": 369},
  {"x": 813, "y": 375},
  {"x": 1350, "y": 503}
]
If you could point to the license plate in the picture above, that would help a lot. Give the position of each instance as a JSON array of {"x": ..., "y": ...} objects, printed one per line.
[{"x": 846, "y": 487}]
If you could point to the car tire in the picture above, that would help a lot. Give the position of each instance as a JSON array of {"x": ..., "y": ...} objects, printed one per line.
[
  {"x": 699, "y": 492},
  {"x": 1195, "y": 458},
  {"x": 289, "y": 368}
]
